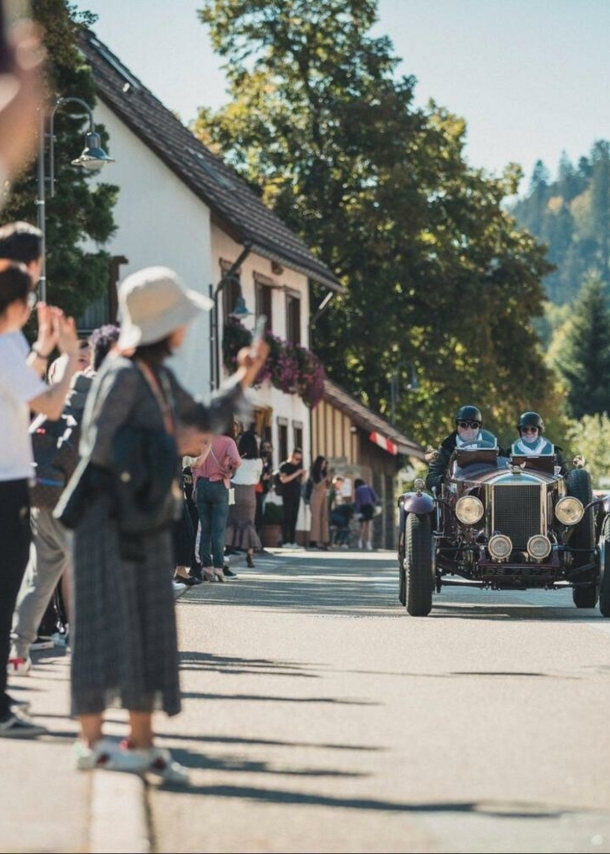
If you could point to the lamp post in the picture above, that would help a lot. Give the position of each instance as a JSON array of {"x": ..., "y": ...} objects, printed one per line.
[
  {"x": 239, "y": 312},
  {"x": 412, "y": 385},
  {"x": 92, "y": 158}
]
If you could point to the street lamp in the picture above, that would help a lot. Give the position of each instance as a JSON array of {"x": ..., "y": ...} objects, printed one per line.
[
  {"x": 412, "y": 385},
  {"x": 92, "y": 159},
  {"x": 240, "y": 311}
]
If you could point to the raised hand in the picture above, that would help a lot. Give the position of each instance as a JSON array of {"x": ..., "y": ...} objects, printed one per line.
[{"x": 65, "y": 330}]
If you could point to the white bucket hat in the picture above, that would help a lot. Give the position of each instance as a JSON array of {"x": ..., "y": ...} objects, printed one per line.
[{"x": 153, "y": 302}]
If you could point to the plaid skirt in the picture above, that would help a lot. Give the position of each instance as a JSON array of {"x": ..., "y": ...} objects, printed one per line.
[
  {"x": 123, "y": 631},
  {"x": 241, "y": 533}
]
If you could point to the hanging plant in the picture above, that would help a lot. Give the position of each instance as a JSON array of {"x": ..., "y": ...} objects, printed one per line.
[{"x": 289, "y": 367}]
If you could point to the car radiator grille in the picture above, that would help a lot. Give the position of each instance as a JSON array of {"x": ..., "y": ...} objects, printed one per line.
[{"x": 517, "y": 512}]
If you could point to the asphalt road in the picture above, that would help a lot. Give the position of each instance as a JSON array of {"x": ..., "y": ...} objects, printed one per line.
[{"x": 318, "y": 716}]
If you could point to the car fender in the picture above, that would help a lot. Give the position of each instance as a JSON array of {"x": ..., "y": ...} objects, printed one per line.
[{"x": 417, "y": 502}]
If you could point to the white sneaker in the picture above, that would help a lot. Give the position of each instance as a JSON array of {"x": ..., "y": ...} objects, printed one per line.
[
  {"x": 179, "y": 589},
  {"x": 97, "y": 756},
  {"x": 359, "y": 544},
  {"x": 162, "y": 765},
  {"x": 369, "y": 547},
  {"x": 19, "y": 666}
]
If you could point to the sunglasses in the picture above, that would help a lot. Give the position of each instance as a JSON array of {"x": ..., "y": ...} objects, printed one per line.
[
  {"x": 528, "y": 429},
  {"x": 466, "y": 424}
]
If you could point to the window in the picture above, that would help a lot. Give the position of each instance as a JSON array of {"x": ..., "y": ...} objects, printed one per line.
[
  {"x": 282, "y": 435},
  {"x": 297, "y": 433},
  {"x": 293, "y": 317},
  {"x": 264, "y": 302},
  {"x": 231, "y": 291}
]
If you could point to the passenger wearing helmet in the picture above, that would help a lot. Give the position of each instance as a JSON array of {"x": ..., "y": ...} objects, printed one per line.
[
  {"x": 531, "y": 441},
  {"x": 467, "y": 434}
]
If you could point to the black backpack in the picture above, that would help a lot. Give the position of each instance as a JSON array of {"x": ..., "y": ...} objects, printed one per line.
[
  {"x": 55, "y": 447},
  {"x": 277, "y": 483}
]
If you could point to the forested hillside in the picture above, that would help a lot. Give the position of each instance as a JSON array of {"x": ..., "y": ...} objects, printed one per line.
[{"x": 571, "y": 214}]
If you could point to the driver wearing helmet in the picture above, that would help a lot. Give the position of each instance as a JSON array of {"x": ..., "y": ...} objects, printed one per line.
[
  {"x": 531, "y": 442},
  {"x": 467, "y": 434}
]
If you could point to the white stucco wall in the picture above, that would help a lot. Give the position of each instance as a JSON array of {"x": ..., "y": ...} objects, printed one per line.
[
  {"x": 160, "y": 221},
  {"x": 289, "y": 406}
]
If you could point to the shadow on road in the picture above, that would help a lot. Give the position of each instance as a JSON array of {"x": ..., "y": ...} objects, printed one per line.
[
  {"x": 235, "y": 665},
  {"x": 498, "y": 809}
]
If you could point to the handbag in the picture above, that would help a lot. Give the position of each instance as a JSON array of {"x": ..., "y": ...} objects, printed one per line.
[
  {"x": 144, "y": 462},
  {"x": 231, "y": 495},
  {"x": 77, "y": 496}
]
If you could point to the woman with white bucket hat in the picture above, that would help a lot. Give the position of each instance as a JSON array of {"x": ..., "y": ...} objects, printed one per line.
[{"x": 124, "y": 649}]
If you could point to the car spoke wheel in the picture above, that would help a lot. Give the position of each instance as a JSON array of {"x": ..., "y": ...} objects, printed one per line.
[
  {"x": 419, "y": 583},
  {"x": 604, "y": 585}
]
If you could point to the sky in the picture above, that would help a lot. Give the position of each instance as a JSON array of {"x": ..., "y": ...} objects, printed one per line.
[{"x": 530, "y": 77}]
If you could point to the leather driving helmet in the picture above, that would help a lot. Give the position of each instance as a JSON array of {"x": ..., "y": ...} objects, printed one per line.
[
  {"x": 531, "y": 419},
  {"x": 469, "y": 413}
]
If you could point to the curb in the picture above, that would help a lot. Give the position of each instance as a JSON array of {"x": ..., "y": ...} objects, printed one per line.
[{"x": 118, "y": 821}]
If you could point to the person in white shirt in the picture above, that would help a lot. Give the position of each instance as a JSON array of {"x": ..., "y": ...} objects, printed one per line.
[
  {"x": 241, "y": 532},
  {"x": 22, "y": 390}
]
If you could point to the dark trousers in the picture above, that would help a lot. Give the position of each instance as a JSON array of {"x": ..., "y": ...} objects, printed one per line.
[
  {"x": 14, "y": 553},
  {"x": 291, "y": 512},
  {"x": 213, "y": 508},
  {"x": 258, "y": 517}
]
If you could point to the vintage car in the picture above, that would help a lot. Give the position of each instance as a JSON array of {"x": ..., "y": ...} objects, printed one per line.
[{"x": 505, "y": 523}]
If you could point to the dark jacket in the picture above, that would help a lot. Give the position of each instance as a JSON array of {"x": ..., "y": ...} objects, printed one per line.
[{"x": 438, "y": 460}]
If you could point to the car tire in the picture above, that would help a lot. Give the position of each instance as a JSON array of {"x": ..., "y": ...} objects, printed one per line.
[
  {"x": 419, "y": 583},
  {"x": 604, "y": 584},
  {"x": 579, "y": 486},
  {"x": 585, "y": 597},
  {"x": 402, "y": 583}
]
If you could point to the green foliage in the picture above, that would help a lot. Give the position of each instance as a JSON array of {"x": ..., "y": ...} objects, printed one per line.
[
  {"x": 77, "y": 212},
  {"x": 438, "y": 274},
  {"x": 591, "y": 437},
  {"x": 571, "y": 215},
  {"x": 273, "y": 514},
  {"x": 584, "y": 361}
]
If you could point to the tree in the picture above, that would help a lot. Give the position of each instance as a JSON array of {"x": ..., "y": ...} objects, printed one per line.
[
  {"x": 585, "y": 361},
  {"x": 78, "y": 211},
  {"x": 591, "y": 437},
  {"x": 437, "y": 273}
]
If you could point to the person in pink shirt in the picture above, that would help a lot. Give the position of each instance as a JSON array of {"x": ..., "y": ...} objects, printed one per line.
[{"x": 212, "y": 473}]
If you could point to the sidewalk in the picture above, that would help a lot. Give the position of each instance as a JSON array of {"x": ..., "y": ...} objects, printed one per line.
[{"x": 45, "y": 803}]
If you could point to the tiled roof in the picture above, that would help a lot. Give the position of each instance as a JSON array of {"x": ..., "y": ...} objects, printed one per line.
[
  {"x": 370, "y": 421},
  {"x": 235, "y": 207}
]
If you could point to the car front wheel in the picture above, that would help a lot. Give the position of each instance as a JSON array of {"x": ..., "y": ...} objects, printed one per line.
[
  {"x": 604, "y": 585},
  {"x": 419, "y": 583}
]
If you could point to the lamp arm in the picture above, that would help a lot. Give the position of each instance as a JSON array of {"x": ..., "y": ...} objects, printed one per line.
[{"x": 60, "y": 103}]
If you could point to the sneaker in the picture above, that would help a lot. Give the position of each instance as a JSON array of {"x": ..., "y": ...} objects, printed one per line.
[
  {"x": 369, "y": 547},
  {"x": 97, "y": 756},
  {"x": 188, "y": 580},
  {"x": 153, "y": 760},
  {"x": 60, "y": 639},
  {"x": 42, "y": 642},
  {"x": 19, "y": 666},
  {"x": 228, "y": 573},
  {"x": 110, "y": 756},
  {"x": 179, "y": 589},
  {"x": 19, "y": 725}
]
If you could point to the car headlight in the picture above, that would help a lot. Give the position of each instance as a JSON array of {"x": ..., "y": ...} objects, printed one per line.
[
  {"x": 469, "y": 509},
  {"x": 500, "y": 547},
  {"x": 539, "y": 547},
  {"x": 569, "y": 510}
]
